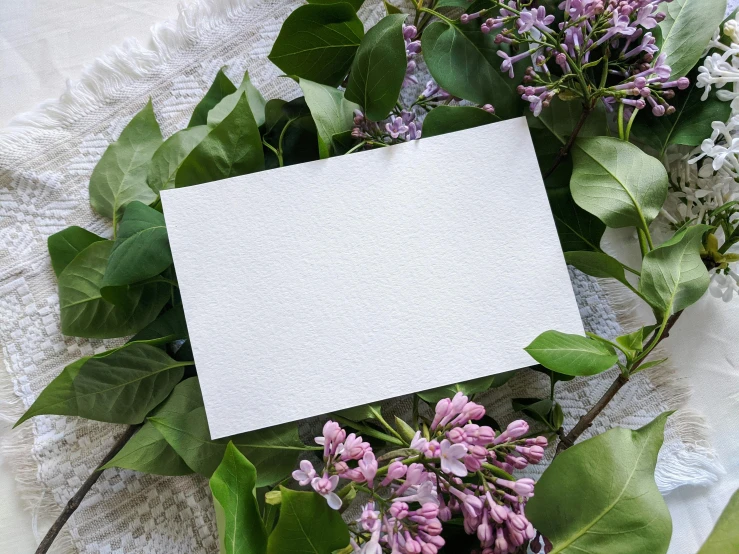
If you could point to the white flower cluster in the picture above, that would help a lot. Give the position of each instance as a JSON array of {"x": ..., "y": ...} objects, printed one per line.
[{"x": 704, "y": 180}]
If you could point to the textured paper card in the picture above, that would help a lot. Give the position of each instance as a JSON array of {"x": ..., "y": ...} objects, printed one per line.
[{"x": 335, "y": 283}]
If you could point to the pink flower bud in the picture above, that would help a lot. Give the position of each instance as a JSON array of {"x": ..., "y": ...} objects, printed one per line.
[
  {"x": 472, "y": 464},
  {"x": 485, "y": 531},
  {"x": 457, "y": 435},
  {"x": 399, "y": 510},
  {"x": 517, "y": 429},
  {"x": 396, "y": 470}
]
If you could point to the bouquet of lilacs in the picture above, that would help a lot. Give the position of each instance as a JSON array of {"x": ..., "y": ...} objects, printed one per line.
[{"x": 634, "y": 127}]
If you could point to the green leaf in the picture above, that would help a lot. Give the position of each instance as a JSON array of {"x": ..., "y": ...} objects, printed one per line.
[
  {"x": 725, "y": 535},
  {"x": 390, "y": 9},
  {"x": 257, "y": 103},
  {"x": 453, "y": 4},
  {"x": 459, "y": 62},
  {"x": 633, "y": 343},
  {"x": 474, "y": 386},
  {"x": 221, "y": 87},
  {"x": 141, "y": 249},
  {"x": 405, "y": 430},
  {"x": 360, "y": 413},
  {"x": 649, "y": 365},
  {"x": 232, "y": 147},
  {"x": 577, "y": 229},
  {"x": 169, "y": 156},
  {"x": 673, "y": 275},
  {"x": 290, "y": 125},
  {"x": 355, "y": 4},
  {"x": 544, "y": 411},
  {"x": 273, "y": 451},
  {"x": 448, "y": 119},
  {"x": 84, "y": 312},
  {"x": 233, "y": 486},
  {"x": 120, "y": 175},
  {"x": 617, "y": 182},
  {"x": 379, "y": 68},
  {"x": 333, "y": 114},
  {"x": 561, "y": 117},
  {"x": 65, "y": 245},
  {"x": 307, "y": 526},
  {"x": 120, "y": 386},
  {"x": 687, "y": 30},
  {"x": 689, "y": 125},
  {"x": 571, "y": 354},
  {"x": 600, "y": 496},
  {"x": 167, "y": 327},
  {"x": 598, "y": 264},
  {"x": 318, "y": 42}
]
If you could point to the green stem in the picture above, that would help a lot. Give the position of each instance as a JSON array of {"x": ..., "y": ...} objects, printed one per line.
[
  {"x": 631, "y": 122},
  {"x": 437, "y": 14},
  {"x": 621, "y": 121},
  {"x": 368, "y": 430},
  {"x": 355, "y": 148}
]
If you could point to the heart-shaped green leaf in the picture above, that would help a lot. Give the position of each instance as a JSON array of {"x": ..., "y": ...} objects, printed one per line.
[
  {"x": 459, "y": 62},
  {"x": 141, "y": 250},
  {"x": 598, "y": 264},
  {"x": 318, "y": 42},
  {"x": 240, "y": 526},
  {"x": 84, "y": 312},
  {"x": 65, "y": 245},
  {"x": 571, "y": 354},
  {"x": 221, "y": 87},
  {"x": 617, "y": 182},
  {"x": 332, "y": 113},
  {"x": 273, "y": 451},
  {"x": 448, "y": 119},
  {"x": 687, "y": 29},
  {"x": 307, "y": 525},
  {"x": 379, "y": 68},
  {"x": 577, "y": 229},
  {"x": 257, "y": 103},
  {"x": 232, "y": 147},
  {"x": 673, "y": 275},
  {"x": 119, "y": 386},
  {"x": 120, "y": 175},
  {"x": 169, "y": 157},
  {"x": 725, "y": 535},
  {"x": 600, "y": 496}
]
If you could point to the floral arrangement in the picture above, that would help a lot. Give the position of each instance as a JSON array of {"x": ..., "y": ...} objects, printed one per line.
[{"x": 634, "y": 125}]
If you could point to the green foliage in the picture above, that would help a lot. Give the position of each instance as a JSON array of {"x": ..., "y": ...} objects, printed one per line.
[
  {"x": 232, "y": 147},
  {"x": 600, "y": 496},
  {"x": 598, "y": 264},
  {"x": 221, "y": 87},
  {"x": 448, "y": 119},
  {"x": 673, "y": 275},
  {"x": 462, "y": 61},
  {"x": 474, "y": 386},
  {"x": 379, "y": 68},
  {"x": 273, "y": 451},
  {"x": 141, "y": 250},
  {"x": 577, "y": 229},
  {"x": 689, "y": 125},
  {"x": 290, "y": 132},
  {"x": 318, "y": 42},
  {"x": 120, "y": 175},
  {"x": 307, "y": 525},
  {"x": 633, "y": 343},
  {"x": 617, "y": 182},
  {"x": 65, "y": 245},
  {"x": 725, "y": 535},
  {"x": 687, "y": 30},
  {"x": 333, "y": 114},
  {"x": 169, "y": 156},
  {"x": 544, "y": 411},
  {"x": 571, "y": 354},
  {"x": 355, "y": 4},
  {"x": 240, "y": 526},
  {"x": 257, "y": 103},
  {"x": 119, "y": 386},
  {"x": 360, "y": 413},
  {"x": 84, "y": 312}
]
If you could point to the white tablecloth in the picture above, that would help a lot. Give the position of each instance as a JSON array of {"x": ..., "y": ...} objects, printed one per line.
[{"x": 45, "y": 42}]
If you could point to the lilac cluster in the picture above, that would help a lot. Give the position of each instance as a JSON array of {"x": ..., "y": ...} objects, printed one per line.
[
  {"x": 400, "y": 127},
  {"x": 454, "y": 467},
  {"x": 612, "y": 35}
]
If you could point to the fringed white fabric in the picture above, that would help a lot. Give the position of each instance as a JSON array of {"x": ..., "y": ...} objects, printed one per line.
[{"x": 46, "y": 158}]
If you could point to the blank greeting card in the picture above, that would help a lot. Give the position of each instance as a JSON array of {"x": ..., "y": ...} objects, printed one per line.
[{"x": 335, "y": 283}]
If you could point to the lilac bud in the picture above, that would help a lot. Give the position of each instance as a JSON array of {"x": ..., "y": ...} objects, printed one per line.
[
  {"x": 428, "y": 511},
  {"x": 658, "y": 110},
  {"x": 670, "y": 110},
  {"x": 489, "y": 108},
  {"x": 472, "y": 464},
  {"x": 399, "y": 510},
  {"x": 683, "y": 83},
  {"x": 409, "y": 31},
  {"x": 457, "y": 435}
]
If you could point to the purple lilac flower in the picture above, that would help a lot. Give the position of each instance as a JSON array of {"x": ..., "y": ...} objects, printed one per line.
[{"x": 412, "y": 49}]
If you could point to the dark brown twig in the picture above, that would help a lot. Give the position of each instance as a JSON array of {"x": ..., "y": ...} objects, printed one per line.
[
  {"x": 565, "y": 150},
  {"x": 76, "y": 500},
  {"x": 586, "y": 421}
]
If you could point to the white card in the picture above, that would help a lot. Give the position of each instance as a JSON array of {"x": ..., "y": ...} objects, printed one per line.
[{"x": 335, "y": 283}]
